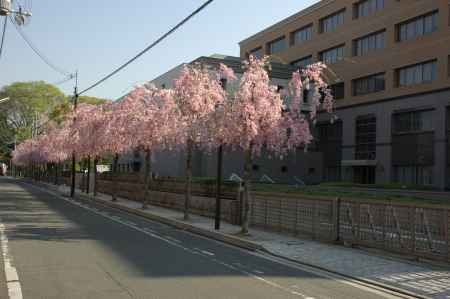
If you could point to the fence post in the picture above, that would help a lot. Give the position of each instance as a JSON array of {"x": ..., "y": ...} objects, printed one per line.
[
  {"x": 252, "y": 209},
  {"x": 385, "y": 220},
  {"x": 265, "y": 212},
  {"x": 314, "y": 218},
  {"x": 296, "y": 217},
  {"x": 447, "y": 234},
  {"x": 280, "y": 215},
  {"x": 412, "y": 223},
  {"x": 357, "y": 218},
  {"x": 337, "y": 219}
]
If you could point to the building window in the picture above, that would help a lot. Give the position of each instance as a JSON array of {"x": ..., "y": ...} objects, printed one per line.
[
  {"x": 416, "y": 27},
  {"x": 366, "y": 135},
  {"x": 284, "y": 169},
  {"x": 369, "y": 43},
  {"x": 369, "y": 84},
  {"x": 303, "y": 62},
  {"x": 257, "y": 53},
  {"x": 302, "y": 35},
  {"x": 338, "y": 90},
  {"x": 367, "y": 7},
  {"x": 276, "y": 46},
  {"x": 255, "y": 167},
  {"x": 331, "y": 22},
  {"x": 413, "y": 122},
  {"x": 332, "y": 55},
  {"x": 417, "y": 74},
  {"x": 329, "y": 143}
]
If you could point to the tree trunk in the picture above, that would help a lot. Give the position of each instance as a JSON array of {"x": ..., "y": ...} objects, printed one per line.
[
  {"x": 247, "y": 187},
  {"x": 56, "y": 173},
  {"x": 72, "y": 187},
  {"x": 188, "y": 194},
  {"x": 88, "y": 179},
  {"x": 114, "y": 178},
  {"x": 147, "y": 178},
  {"x": 95, "y": 175}
]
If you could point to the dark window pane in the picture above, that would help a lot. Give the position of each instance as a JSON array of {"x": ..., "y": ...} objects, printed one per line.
[
  {"x": 416, "y": 74},
  {"x": 422, "y": 25},
  {"x": 369, "y": 84},
  {"x": 302, "y": 35},
  {"x": 277, "y": 46},
  {"x": 303, "y": 62}
]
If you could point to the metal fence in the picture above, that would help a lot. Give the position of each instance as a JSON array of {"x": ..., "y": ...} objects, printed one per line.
[
  {"x": 416, "y": 230},
  {"x": 300, "y": 216}
]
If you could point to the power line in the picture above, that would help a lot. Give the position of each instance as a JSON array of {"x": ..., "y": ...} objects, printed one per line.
[
  {"x": 3, "y": 37},
  {"x": 36, "y": 50},
  {"x": 71, "y": 77},
  {"x": 164, "y": 36}
]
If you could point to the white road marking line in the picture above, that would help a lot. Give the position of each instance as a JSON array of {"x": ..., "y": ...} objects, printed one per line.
[
  {"x": 307, "y": 269},
  {"x": 12, "y": 278},
  {"x": 273, "y": 284},
  {"x": 129, "y": 223},
  {"x": 258, "y": 272},
  {"x": 172, "y": 239},
  {"x": 207, "y": 253}
]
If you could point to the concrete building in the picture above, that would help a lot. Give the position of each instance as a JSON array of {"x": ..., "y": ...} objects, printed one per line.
[{"x": 392, "y": 64}]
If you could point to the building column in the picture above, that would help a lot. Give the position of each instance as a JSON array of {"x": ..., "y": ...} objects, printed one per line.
[
  {"x": 440, "y": 148},
  {"x": 384, "y": 147},
  {"x": 348, "y": 146}
]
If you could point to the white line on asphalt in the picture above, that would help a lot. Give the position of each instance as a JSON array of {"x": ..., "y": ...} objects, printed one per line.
[
  {"x": 382, "y": 292},
  {"x": 268, "y": 282},
  {"x": 12, "y": 278},
  {"x": 129, "y": 223},
  {"x": 207, "y": 253},
  {"x": 172, "y": 239}
]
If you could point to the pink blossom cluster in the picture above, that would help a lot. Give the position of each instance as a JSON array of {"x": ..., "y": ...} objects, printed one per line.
[{"x": 197, "y": 110}]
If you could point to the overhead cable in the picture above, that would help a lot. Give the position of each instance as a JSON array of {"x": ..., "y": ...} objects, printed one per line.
[
  {"x": 39, "y": 53},
  {"x": 164, "y": 36},
  {"x": 3, "y": 37}
]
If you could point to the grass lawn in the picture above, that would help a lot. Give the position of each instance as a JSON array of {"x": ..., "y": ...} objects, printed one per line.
[
  {"x": 322, "y": 191},
  {"x": 390, "y": 186}
]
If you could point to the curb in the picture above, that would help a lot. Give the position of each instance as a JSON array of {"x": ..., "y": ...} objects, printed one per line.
[
  {"x": 349, "y": 277},
  {"x": 232, "y": 240},
  {"x": 236, "y": 241}
]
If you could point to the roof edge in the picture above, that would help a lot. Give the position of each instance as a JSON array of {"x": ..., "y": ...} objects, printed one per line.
[{"x": 308, "y": 10}]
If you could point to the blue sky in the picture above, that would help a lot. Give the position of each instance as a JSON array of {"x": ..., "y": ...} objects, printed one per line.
[{"x": 97, "y": 36}]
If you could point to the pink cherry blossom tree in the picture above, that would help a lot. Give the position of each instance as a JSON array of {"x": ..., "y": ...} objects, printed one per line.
[
  {"x": 259, "y": 120},
  {"x": 197, "y": 92},
  {"x": 151, "y": 125}
]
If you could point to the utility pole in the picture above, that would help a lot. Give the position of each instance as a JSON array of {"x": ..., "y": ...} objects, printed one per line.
[
  {"x": 219, "y": 185},
  {"x": 75, "y": 103},
  {"x": 223, "y": 83}
]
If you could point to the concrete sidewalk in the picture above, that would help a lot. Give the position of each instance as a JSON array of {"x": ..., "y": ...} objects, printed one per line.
[{"x": 413, "y": 277}]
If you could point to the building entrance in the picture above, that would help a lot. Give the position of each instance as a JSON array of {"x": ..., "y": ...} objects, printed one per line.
[{"x": 364, "y": 174}]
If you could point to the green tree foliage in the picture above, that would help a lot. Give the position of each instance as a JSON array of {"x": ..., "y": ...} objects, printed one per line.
[
  {"x": 32, "y": 105},
  {"x": 26, "y": 113},
  {"x": 61, "y": 110}
]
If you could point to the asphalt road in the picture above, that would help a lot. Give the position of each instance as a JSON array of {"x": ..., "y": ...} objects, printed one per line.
[{"x": 66, "y": 249}]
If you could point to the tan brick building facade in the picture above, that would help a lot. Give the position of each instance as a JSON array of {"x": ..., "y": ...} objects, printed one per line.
[{"x": 391, "y": 65}]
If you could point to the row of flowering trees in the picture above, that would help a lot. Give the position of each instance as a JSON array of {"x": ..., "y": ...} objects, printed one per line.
[{"x": 197, "y": 113}]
